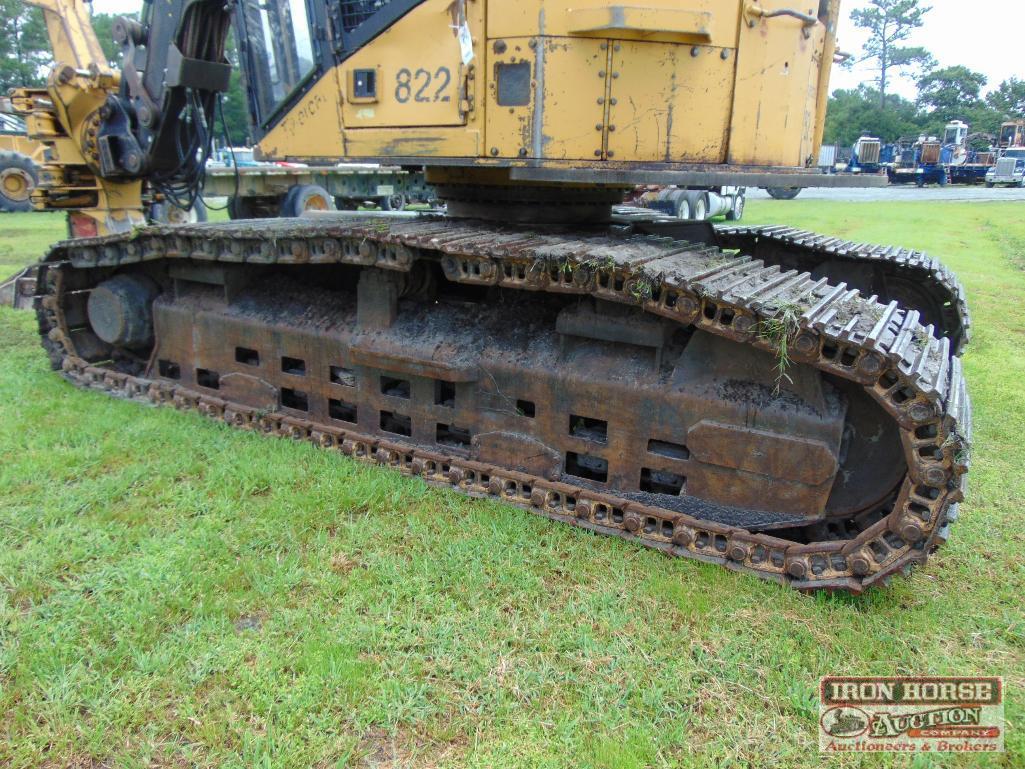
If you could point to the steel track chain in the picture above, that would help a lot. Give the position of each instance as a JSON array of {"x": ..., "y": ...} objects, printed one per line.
[
  {"x": 811, "y": 248},
  {"x": 911, "y": 374}
]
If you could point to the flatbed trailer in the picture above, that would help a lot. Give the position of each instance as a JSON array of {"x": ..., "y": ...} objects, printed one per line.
[
  {"x": 968, "y": 173},
  {"x": 270, "y": 189}
]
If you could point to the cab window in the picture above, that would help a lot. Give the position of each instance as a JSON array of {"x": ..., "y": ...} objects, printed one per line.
[{"x": 279, "y": 41}]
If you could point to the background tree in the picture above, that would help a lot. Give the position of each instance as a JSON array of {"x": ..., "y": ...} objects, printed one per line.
[
  {"x": 24, "y": 47},
  {"x": 950, "y": 90},
  {"x": 1008, "y": 99},
  {"x": 234, "y": 105},
  {"x": 103, "y": 26},
  {"x": 854, "y": 112},
  {"x": 890, "y": 23},
  {"x": 953, "y": 93}
]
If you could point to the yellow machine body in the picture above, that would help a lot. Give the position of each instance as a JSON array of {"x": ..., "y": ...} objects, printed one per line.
[
  {"x": 63, "y": 118},
  {"x": 22, "y": 145},
  {"x": 584, "y": 85}
]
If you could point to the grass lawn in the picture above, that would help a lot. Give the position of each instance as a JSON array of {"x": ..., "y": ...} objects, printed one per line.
[
  {"x": 175, "y": 592},
  {"x": 24, "y": 238}
]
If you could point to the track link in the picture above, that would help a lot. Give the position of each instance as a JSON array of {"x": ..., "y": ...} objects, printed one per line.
[
  {"x": 913, "y": 277},
  {"x": 913, "y": 375}
]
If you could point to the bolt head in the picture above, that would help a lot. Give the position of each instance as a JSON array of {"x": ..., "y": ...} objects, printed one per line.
[
  {"x": 805, "y": 344},
  {"x": 872, "y": 363},
  {"x": 920, "y": 412},
  {"x": 911, "y": 531},
  {"x": 687, "y": 305},
  {"x": 743, "y": 323},
  {"x": 797, "y": 569},
  {"x": 682, "y": 537},
  {"x": 632, "y": 523},
  {"x": 737, "y": 552},
  {"x": 860, "y": 565}
]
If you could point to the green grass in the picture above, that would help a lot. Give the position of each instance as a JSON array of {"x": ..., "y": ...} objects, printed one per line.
[
  {"x": 175, "y": 592},
  {"x": 24, "y": 238}
]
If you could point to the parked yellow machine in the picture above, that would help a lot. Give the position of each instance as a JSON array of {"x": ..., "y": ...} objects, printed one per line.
[
  {"x": 781, "y": 403},
  {"x": 64, "y": 117},
  {"x": 19, "y": 162}
]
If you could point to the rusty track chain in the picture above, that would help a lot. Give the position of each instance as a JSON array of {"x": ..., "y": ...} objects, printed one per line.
[
  {"x": 911, "y": 374},
  {"x": 812, "y": 248}
]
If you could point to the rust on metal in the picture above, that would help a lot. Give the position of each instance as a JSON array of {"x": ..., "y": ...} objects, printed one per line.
[{"x": 619, "y": 382}]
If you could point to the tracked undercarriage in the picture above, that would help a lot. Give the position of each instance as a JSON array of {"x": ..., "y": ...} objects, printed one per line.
[{"x": 701, "y": 402}]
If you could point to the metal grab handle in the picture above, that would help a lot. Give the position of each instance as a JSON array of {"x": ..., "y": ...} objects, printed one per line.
[{"x": 752, "y": 8}]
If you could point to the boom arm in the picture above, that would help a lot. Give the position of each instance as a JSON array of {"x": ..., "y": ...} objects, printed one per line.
[
  {"x": 161, "y": 124},
  {"x": 71, "y": 35},
  {"x": 108, "y": 132}
]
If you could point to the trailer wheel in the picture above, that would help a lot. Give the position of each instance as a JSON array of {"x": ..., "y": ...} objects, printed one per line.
[
  {"x": 396, "y": 202},
  {"x": 306, "y": 197},
  {"x": 783, "y": 193},
  {"x": 18, "y": 177}
]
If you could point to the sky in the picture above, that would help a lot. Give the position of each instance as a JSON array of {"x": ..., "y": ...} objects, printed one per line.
[{"x": 983, "y": 35}]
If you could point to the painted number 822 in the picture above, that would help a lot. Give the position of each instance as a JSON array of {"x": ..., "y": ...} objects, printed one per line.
[{"x": 421, "y": 86}]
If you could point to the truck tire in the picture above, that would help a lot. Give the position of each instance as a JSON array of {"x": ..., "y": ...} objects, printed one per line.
[
  {"x": 783, "y": 193},
  {"x": 736, "y": 212},
  {"x": 679, "y": 201},
  {"x": 240, "y": 208},
  {"x": 698, "y": 200},
  {"x": 165, "y": 213},
  {"x": 396, "y": 202},
  {"x": 18, "y": 177},
  {"x": 989, "y": 185},
  {"x": 306, "y": 197}
]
